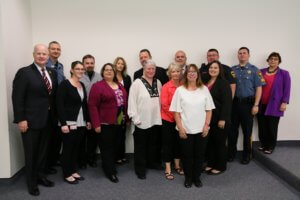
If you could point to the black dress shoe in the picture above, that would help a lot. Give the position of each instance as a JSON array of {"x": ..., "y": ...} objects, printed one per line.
[
  {"x": 113, "y": 178},
  {"x": 230, "y": 159},
  {"x": 198, "y": 183},
  {"x": 82, "y": 167},
  {"x": 45, "y": 182},
  {"x": 81, "y": 178},
  {"x": 51, "y": 170},
  {"x": 141, "y": 176},
  {"x": 187, "y": 183},
  {"x": 93, "y": 164},
  {"x": 245, "y": 161},
  {"x": 34, "y": 192},
  {"x": 71, "y": 182}
]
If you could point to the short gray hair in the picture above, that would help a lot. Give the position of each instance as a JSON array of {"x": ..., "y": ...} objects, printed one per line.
[{"x": 149, "y": 62}]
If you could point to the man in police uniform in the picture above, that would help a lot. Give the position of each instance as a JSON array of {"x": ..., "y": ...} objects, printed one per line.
[
  {"x": 213, "y": 55},
  {"x": 245, "y": 103}
]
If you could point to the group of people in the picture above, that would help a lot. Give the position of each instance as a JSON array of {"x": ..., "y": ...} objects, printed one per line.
[{"x": 183, "y": 116}]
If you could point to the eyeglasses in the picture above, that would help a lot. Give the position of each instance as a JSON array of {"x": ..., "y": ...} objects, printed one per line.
[
  {"x": 79, "y": 69},
  {"x": 108, "y": 70},
  {"x": 274, "y": 58},
  {"x": 192, "y": 72}
]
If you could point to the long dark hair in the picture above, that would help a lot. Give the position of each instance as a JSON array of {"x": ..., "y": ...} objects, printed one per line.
[{"x": 221, "y": 70}]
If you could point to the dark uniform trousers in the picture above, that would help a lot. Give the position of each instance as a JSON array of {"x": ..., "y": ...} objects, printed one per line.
[
  {"x": 170, "y": 141},
  {"x": 193, "y": 152},
  {"x": 108, "y": 144},
  {"x": 267, "y": 129},
  {"x": 69, "y": 156},
  {"x": 241, "y": 115},
  {"x": 216, "y": 147},
  {"x": 36, "y": 143},
  {"x": 145, "y": 148}
]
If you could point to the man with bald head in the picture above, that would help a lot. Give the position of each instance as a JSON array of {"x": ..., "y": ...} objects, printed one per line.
[
  {"x": 180, "y": 58},
  {"x": 33, "y": 97}
]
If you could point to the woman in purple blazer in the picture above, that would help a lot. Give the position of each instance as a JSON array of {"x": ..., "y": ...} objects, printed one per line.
[
  {"x": 275, "y": 97},
  {"x": 108, "y": 107}
]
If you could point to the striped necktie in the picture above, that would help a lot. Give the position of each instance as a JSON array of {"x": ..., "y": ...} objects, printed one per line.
[{"x": 46, "y": 80}]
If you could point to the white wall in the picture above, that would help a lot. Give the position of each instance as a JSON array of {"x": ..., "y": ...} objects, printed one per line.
[
  {"x": 111, "y": 28},
  {"x": 16, "y": 52}
]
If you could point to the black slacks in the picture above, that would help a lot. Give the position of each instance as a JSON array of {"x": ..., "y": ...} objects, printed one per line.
[
  {"x": 69, "y": 156},
  {"x": 36, "y": 143},
  {"x": 54, "y": 146},
  {"x": 170, "y": 141},
  {"x": 122, "y": 139},
  {"x": 145, "y": 148},
  {"x": 88, "y": 148},
  {"x": 193, "y": 152},
  {"x": 241, "y": 115},
  {"x": 267, "y": 129},
  {"x": 108, "y": 143},
  {"x": 216, "y": 147}
]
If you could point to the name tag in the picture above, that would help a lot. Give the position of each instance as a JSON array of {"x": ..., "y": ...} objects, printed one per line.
[{"x": 73, "y": 127}]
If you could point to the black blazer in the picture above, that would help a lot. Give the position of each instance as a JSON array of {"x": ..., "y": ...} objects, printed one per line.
[
  {"x": 30, "y": 97},
  {"x": 160, "y": 74},
  {"x": 222, "y": 97},
  {"x": 127, "y": 83},
  {"x": 69, "y": 103}
]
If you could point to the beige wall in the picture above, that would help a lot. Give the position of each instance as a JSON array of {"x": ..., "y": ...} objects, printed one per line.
[
  {"x": 111, "y": 28},
  {"x": 16, "y": 52}
]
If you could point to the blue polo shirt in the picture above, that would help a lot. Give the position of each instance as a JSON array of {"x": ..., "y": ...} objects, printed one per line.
[
  {"x": 248, "y": 79},
  {"x": 59, "y": 68}
]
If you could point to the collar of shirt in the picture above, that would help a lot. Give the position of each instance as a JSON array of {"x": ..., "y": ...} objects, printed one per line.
[
  {"x": 52, "y": 65},
  {"x": 46, "y": 72}
]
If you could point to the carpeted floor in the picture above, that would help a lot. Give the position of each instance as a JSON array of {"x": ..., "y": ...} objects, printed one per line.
[{"x": 239, "y": 182}]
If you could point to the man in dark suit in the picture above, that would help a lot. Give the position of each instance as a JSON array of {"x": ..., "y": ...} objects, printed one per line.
[
  {"x": 33, "y": 98},
  {"x": 160, "y": 72}
]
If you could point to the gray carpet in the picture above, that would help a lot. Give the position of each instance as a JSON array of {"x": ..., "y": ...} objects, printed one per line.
[
  {"x": 238, "y": 182},
  {"x": 288, "y": 157}
]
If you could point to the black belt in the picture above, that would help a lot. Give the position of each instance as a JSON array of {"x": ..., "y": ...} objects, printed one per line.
[{"x": 244, "y": 99}]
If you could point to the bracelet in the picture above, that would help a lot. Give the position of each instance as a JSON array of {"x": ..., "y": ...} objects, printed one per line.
[{"x": 255, "y": 105}]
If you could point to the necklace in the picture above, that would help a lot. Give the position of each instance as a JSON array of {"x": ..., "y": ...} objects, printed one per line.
[{"x": 273, "y": 71}]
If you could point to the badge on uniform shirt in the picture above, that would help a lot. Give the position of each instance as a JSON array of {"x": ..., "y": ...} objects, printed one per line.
[
  {"x": 261, "y": 76},
  {"x": 249, "y": 71},
  {"x": 233, "y": 74}
]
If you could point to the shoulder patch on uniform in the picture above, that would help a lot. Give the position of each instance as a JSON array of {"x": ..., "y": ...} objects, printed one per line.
[
  {"x": 260, "y": 76},
  {"x": 233, "y": 74}
]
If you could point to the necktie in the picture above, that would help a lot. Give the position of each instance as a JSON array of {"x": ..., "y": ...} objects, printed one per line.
[{"x": 46, "y": 80}]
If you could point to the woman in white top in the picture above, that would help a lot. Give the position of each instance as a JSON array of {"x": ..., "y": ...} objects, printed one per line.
[
  {"x": 192, "y": 105},
  {"x": 144, "y": 111}
]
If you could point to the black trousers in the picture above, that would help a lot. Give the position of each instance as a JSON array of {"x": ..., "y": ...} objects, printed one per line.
[
  {"x": 54, "y": 146},
  {"x": 69, "y": 156},
  {"x": 241, "y": 115},
  {"x": 267, "y": 129},
  {"x": 88, "y": 148},
  {"x": 108, "y": 143},
  {"x": 170, "y": 141},
  {"x": 122, "y": 140},
  {"x": 145, "y": 148},
  {"x": 216, "y": 147},
  {"x": 193, "y": 152},
  {"x": 36, "y": 143}
]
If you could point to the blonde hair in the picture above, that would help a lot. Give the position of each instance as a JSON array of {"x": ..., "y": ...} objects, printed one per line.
[{"x": 171, "y": 67}]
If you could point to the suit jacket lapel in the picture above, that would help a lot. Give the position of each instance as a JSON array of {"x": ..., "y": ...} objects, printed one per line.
[{"x": 40, "y": 77}]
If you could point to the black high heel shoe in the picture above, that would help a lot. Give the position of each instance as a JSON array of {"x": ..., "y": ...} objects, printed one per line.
[{"x": 113, "y": 178}]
